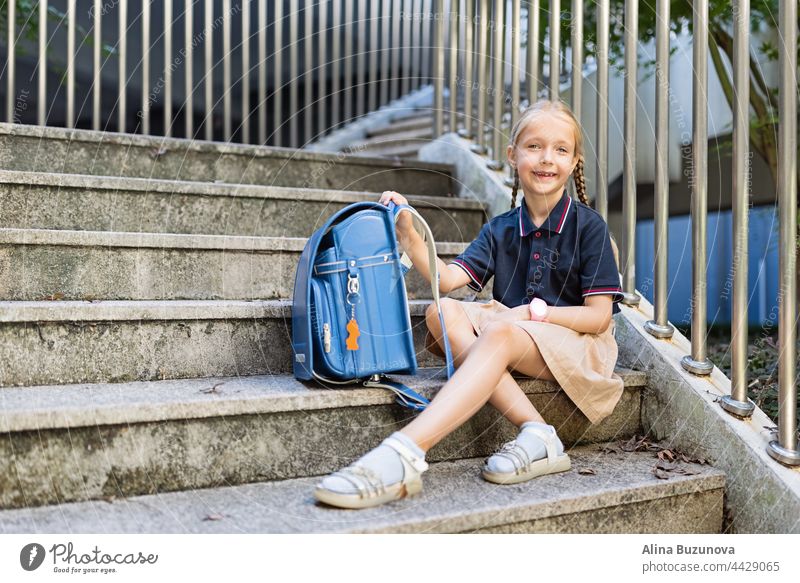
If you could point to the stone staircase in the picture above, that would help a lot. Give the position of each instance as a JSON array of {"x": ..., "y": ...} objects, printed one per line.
[{"x": 145, "y": 359}]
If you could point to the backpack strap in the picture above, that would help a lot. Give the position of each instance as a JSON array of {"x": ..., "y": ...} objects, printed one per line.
[{"x": 434, "y": 269}]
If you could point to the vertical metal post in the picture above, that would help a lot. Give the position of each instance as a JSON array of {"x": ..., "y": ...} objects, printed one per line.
[
  {"x": 145, "y": 67},
  {"x": 416, "y": 48},
  {"x": 246, "y": 72},
  {"x": 601, "y": 188},
  {"x": 576, "y": 43},
  {"x": 227, "y": 125},
  {"x": 532, "y": 82},
  {"x": 498, "y": 67},
  {"x": 293, "y": 73},
  {"x": 188, "y": 46},
  {"x": 438, "y": 74},
  {"x": 480, "y": 146},
  {"x": 630, "y": 297},
  {"x": 515, "y": 67},
  {"x": 348, "y": 61},
  {"x": 374, "y": 22},
  {"x": 322, "y": 68},
  {"x": 41, "y": 117},
  {"x": 697, "y": 363},
  {"x": 336, "y": 64},
  {"x": 785, "y": 448},
  {"x": 123, "y": 54},
  {"x": 361, "y": 56},
  {"x": 12, "y": 37},
  {"x": 167, "y": 67},
  {"x": 277, "y": 102},
  {"x": 208, "y": 32},
  {"x": 660, "y": 327},
  {"x": 97, "y": 64},
  {"x": 555, "y": 49},
  {"x": 71, "y": 9},
  {"x": 408, "y": 23},
  {"x": 396, "y": 42},
  {"x": 453, "y": 77},
  {"x": 262, "y": 72},
  {"x": 469, "y": 53},
  {"x": 516, "y": 41},
  {"x": 308, "y": 74},
  {"x": 737, "y": 402},
  {"x": 426, "y": 23},
  {"x": 386, "y": 48}
]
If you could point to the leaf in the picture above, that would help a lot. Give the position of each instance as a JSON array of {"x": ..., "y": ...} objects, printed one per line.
[
  {"x": 587, "y": 472},
  {"x": 660, "y": 474},
  {"x": 666, "y": 466},
  {"x": 214, "y": 517},
  {"x": 212, "y": 390}
]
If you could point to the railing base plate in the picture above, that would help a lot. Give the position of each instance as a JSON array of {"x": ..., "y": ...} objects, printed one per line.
[
  {"x": 697, "y": 367},
  {"x": 738, "y": 408},
  {"x": 658, "y": 330},
  {"x": 789, "y": 457}
]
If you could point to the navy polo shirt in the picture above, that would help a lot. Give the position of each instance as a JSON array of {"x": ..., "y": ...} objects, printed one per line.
[{"x": 566, "y": 259}]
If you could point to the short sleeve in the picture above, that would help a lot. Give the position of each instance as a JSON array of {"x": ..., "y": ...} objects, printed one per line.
[
  {"x": 599, "y": 272},
  {"x": 478, "y": 259}
]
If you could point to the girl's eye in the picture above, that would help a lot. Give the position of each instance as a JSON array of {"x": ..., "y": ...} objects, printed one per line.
[{"x": 534, "y": 146}]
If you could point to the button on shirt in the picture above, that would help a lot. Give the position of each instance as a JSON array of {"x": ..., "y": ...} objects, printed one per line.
[{"x": 566, "y": 259}]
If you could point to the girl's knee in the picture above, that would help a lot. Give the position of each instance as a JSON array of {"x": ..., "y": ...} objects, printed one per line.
[{"x": 450, "y": 310}]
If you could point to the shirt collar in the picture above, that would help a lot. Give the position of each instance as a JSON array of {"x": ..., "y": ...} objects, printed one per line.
[{"x": 555, "y": 221}]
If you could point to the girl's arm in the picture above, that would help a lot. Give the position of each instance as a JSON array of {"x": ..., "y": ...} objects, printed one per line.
[
  {"x": 451, "y": 277},
  {"x": 593, "y": 317}
]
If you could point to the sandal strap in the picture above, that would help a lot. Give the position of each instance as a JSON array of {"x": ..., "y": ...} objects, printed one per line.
[
  {"x": 407, "y": 456},
  {"x": 548, "y": 438},
  {"x": 516, "y": 454},
  {"x": 364, "y": 479}
]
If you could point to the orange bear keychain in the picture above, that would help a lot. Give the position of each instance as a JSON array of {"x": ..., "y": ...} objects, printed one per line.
[{"x": 353, "y": 334}]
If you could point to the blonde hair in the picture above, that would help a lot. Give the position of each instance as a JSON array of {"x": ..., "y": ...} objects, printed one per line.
[
  {"x": 545, "y": 105},
  {"x": 578, "y": 176}
]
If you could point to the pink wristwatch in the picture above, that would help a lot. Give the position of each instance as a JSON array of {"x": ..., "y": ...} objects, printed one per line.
[{"x": 538, "y": 309}]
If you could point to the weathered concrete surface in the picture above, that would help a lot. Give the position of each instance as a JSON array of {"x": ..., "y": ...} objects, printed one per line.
[
  {"x": 454, "y": 499},
  {"x": 33, "y": 200},
  {"x": 762, "y": 495},
  {"x": 74, "y": 265},
  {"x": 360, "y": 128},
  {"x": 58, "y": 150},
  {"x": 64, "y": 342},
  {"x": 67, "y": 443},
  {"x": 473, "y": 180}
]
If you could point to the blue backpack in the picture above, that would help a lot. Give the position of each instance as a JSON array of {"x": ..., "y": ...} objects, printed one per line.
[{"x": 350, "y": 318}]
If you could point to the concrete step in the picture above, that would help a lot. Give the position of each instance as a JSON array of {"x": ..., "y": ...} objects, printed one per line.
[
  {"x": 99, "y": 265},
  {"x": 146, "y": 437},
  {"x": 395, "y": 152},
  {"x": 417, "y": 137},
  {"x": 98, "y": 203},
  {"x": 65, "y": 342},
  {"x": 620, "y": 495},
  {"x": 400, "y": 126},
  {"x": 59, "y": 150}
]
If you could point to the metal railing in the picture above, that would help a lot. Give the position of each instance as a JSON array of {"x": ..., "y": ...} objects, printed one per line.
[
  {"x": 476, "y": 51},
  {"x": 489, "y": 30},
  {"x": 282, "y": 73}
]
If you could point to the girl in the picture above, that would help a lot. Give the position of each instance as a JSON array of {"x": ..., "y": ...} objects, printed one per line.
[{"x": 555, "y": 286}]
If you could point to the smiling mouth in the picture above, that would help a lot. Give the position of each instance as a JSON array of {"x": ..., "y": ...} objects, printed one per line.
[{"x": 545, "y": 174}]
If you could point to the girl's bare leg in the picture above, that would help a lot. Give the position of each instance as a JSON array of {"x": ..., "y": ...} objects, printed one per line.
[
  {"x": 500, "y": 346},
  {"x": 508, "y": 397}
]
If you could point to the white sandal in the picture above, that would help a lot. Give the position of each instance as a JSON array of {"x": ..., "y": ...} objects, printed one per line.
[
  {"x": 371, "y": 490},
  {"x": 525, "y": 468}
]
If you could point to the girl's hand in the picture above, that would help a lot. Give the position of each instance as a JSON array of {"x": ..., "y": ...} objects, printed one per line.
[{"x": 404, "y": 226}]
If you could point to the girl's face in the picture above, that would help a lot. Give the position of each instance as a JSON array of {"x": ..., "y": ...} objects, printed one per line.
[{"x": 544, "y": 155}]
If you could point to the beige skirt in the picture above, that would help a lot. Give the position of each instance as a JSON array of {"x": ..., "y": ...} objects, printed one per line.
[{"x": 583, "y": 364}]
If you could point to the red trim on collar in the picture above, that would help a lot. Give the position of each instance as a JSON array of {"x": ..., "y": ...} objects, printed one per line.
[{"x": 564, "y": 214}]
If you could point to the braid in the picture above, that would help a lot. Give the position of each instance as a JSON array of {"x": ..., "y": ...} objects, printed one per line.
[
  {"x": 514, "y": 189},
  {"x": 580, "y": 182}
]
